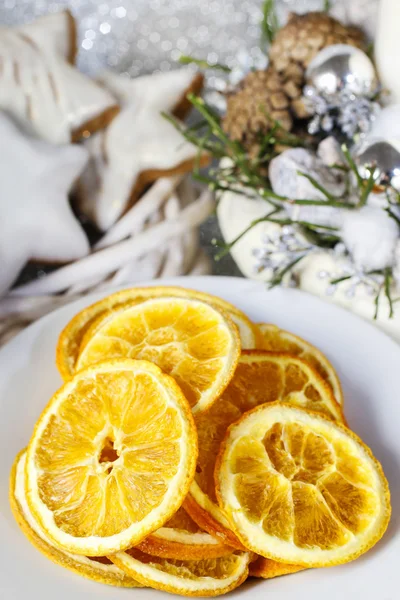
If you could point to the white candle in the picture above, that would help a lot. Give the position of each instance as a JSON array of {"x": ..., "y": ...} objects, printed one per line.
[{"x": 387, "y": 47}]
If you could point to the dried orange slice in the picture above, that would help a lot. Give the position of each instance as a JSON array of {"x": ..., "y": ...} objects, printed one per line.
[
  {"x": 244, "y": 333},
  {"x": 99, "y": 569},
  {"x": 259, "y": 377},
  {"x": 274, "y": 339},
  {"x": 299, "y": 488},
  {"x": 182, "y": 539},
  {"x": 210, "y": 577},
  {"x": 111, "y": 458},
  {"x": 188, "y": 339},
  {"x": 273, "y": 376},
  {"x": 206, "y": 513},
  {"x": 247, "y": 330},
  {"x": 71, "y": 337},
  {"x": 268, "y": 569}
]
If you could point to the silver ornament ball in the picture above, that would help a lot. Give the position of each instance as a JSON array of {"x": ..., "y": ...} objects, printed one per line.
[
  {"x": 384, "y": 157},
  {"x": 341, "y": 68}
]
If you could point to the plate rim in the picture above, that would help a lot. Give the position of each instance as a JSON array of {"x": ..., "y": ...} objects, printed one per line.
[{"x": 176, "y": 281}]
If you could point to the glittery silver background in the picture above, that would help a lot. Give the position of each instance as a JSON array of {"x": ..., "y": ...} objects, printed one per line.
[
  {"x": 142, "y": 36},
  {"x": 136, "y": 36}
]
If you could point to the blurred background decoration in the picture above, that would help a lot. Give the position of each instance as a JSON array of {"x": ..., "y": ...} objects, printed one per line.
[
  {"x": 143, "y": 36},
  {"x": 171, "y": 228}
]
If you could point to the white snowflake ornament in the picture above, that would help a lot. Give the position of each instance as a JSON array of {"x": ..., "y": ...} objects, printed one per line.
[{"x": 36, "y": 220}]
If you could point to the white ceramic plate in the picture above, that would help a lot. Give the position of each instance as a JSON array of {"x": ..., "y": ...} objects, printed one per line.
[{"x": 368, "y": 363}]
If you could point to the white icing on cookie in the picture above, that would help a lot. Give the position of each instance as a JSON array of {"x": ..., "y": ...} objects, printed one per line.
[
  {"x": 41, "y": 90},
  {"x": 109, "y": 260},
  {"x": 36, "y": 220},
  {"x": 139, "y": 140}
]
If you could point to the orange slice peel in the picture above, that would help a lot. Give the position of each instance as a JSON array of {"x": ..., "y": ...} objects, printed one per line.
[
  {"x": 182, "y": 539},
  {"x": 299, "y": 488},
  {"x": 70, "y": 340},
  {"x": 111, "y": 457},
  {"x": 210, "y": 577},
  {"x": 272, "y": 338},
  {"x": 98, "y": 569}
]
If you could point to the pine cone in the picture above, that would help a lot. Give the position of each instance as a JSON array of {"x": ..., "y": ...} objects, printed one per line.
[
  {"x": 260, "y": 97},
  {"x": 296, "y": 44}
]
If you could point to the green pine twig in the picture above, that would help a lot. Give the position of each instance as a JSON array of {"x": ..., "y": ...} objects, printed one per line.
[
  {"x": 339, "y": 167},
  {"x": 387, "y": 282},
  {"x": 370, "y": 51},
  {"x": 217, "y": 186},
  {"x": 353, "y": 166},
  {"x": 367, "y": 187},
  {"x": 393, "y": 215},
  {"x": 284, "y": 137},
  {"x": 334, "y": 203},
  {"x": 376, "y": 302},
  {"x": 236, "y": 151},
  {"x": 317, "y": 186},
  {"x": 340, "y": 279},
  {"x": 327, "y": 6},
  {"x": 189, "y": 133},
  {"x": 227, "y": 247},
  {"x": 203, "y": 64},
  {"x": 277, "y": 279},
  {"x": 269, "y": 23}
]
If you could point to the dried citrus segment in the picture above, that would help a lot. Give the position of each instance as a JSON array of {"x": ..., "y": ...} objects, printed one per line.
[
  {"x": 274, "y": 339},
  {"x": 280, "y": 376},
  {"x": 259, "y": 377},
  {"x": 97, "y": 569},
  {"x": 182, "y": 539},
  {"x": 246, "y": 329},
  {"x": 188, "y": 339},
  {"x": 111, "y": 457},
  {"x": 70, "y": 340},
  {"x": 268, "y": 569},
  {"x": 210, "y": 577},
  {"x": 280, "y": 482}
]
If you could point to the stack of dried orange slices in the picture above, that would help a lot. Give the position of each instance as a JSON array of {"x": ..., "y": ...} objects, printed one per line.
[{"x": 190, "y": 447}]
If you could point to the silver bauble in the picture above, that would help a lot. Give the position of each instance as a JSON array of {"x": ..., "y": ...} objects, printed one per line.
[
  {"x": 342, "y": 67},
  {"x": 383, "y": 156}
]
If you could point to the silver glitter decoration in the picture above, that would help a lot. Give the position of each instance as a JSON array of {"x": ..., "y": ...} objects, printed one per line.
[
  {"x": 280, "y": 250},
  {"x": 349, "y": 277},
  {"x": 341, "y": 88},
  {"x": 352, "y": 114},
  {"x": 142, "y": 36}
]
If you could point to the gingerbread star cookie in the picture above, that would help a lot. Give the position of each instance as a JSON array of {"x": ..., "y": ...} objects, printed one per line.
[
  {"x": 36, "y": 221},
  {"x": 139, "y": 145},
  {"x": 42, "y": 90}
]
